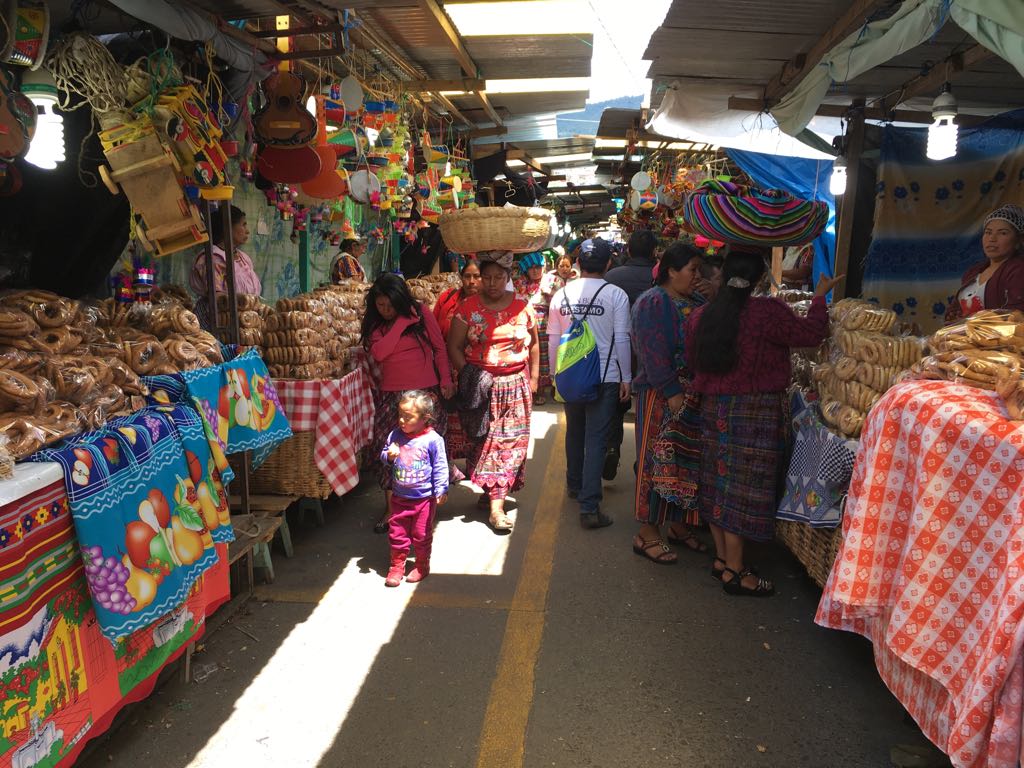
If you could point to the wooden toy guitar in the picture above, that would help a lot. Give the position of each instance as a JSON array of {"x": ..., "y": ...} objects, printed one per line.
[{"x": 283, "y": 120}]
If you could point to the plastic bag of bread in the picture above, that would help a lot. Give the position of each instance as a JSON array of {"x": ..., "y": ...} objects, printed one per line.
[
  {"x": 183, "y": 354},
  {"x": 173, "y": 318},
  {"x": 48, "y": 309},
  {"x": 56, "y": 341},
  {"x": 976, "y": 367},
  {"x": 845, "y": 368},
  {"x": 61, "y": 419},
  {"x": 878, "y": 377},
  {"x": 20, "y": 360},
  {"x": 244, "y": 301},
  {"x": 868, "y": 318},
  {"x": 879, "y": 349},
  {"x": 987, "y": 329},
  {"x": 147, "y": 357},
  {"x": 126, "y": 379},
  {"x": 6, "y": 459},
  {"x": 24, "y": 436},
  {"x": 283, "y": 321},
  {"x": 71, "y": 382}
]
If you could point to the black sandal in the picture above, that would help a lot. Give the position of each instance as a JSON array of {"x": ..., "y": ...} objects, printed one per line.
[
  {"x": 734, "y": 586},
  {"x": 664, "y": 556},
  {"x": 381, "y": 526},
  {"x": 716, "y": 573},
  {"x": 688, "y": 540}
]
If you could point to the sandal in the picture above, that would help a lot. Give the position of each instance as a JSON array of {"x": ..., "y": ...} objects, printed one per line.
[
  {"x": 500, "y": 522},
  {"x": 540, "y": 400},
  {"x": 716, "y": 573},
  {"x": 734, "y": 586},
  {"x": 381, "y": 526},
  {"x": 664, "y": 556},
  {"x": 688, "y": 540}
]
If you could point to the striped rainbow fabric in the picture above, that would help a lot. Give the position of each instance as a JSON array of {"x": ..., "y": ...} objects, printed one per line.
[{"x": 735, "y": 213}]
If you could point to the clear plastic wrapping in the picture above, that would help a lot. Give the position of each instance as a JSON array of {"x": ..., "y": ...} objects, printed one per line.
[
  {"x": 283, "y": 321},
  {"x": 988, "y": 329},
  {"x": 879, "y": 349}
]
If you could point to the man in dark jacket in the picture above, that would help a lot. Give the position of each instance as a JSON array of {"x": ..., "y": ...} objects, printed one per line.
[{"x": 634, "y": 277}]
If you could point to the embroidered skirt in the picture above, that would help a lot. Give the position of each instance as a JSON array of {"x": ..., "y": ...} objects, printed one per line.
[
  {"x": 545, "y": 364},
  {"x": 668, "y": 460},
  {"x": 744, "y": 440},
  {"x": 497, "y": 462}
]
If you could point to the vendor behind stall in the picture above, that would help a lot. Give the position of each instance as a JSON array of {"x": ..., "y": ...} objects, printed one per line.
[
  {"x": 246, "y": 280},
  {"x": 998, "y": 281},
  {"x": 346, "y": 265}
]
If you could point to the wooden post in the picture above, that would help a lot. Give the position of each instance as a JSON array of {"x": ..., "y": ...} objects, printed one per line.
[
  {"x": 211, "y": 285},
  {"x": 303, "y": 261},
  {"x": 777, "y": 254},
  {"x": 846, "y": 211}
]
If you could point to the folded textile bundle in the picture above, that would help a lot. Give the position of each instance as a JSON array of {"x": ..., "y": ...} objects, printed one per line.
[{"x": 735, "y": 213}]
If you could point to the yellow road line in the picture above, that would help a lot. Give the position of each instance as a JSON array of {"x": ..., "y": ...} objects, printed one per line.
[{"x": 503, "y": 737}]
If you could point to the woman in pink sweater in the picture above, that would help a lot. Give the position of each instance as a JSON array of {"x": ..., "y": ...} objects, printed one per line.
[
  {"x": 740, "y": 358},
  {"x": 404, "y": 339}
]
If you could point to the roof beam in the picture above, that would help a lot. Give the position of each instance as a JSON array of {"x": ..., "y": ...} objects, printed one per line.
[
  {"x": 316, "y": 29},
  {"x": 488, "y": 107},
  {"x": 796, "y": 69},
  {"x": 465, "y": 84},
  {"x": 454, "y": 40},
  {"x": 870, "y": 113},
  {"x": 932, "y": 80},
  {"x": 479, "y": 133},
  {"x": 462, "y": 56},
  {"x": 452, "y": 109}
]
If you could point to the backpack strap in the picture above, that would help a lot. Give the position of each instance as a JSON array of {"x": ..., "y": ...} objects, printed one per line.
[{"x": 611, "y": 349}]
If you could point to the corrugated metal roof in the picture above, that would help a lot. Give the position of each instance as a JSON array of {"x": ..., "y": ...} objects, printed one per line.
[
  {"x": 523, "y": 103},
  {"x": 503, "y": 57},
  {"x": 742, "y": 44}
]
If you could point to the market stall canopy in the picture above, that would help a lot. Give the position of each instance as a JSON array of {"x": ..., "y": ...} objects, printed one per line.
[
  {"x": 479, "y": 79},
  {"x": 716, "y": 66}
]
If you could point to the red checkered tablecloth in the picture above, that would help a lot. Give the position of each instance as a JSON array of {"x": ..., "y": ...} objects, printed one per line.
[
  {"x": 931, "y": 568},
  {"x": 340, "y": 411}
]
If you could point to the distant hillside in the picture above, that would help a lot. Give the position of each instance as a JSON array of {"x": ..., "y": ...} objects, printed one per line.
[{"x": 586, "y": 121}]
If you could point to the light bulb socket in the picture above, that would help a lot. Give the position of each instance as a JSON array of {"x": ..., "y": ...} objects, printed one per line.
[{"x": 945, "y": 104}]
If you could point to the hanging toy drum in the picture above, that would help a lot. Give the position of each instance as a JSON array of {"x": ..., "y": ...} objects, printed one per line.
[{"x": 28, "y": 24}]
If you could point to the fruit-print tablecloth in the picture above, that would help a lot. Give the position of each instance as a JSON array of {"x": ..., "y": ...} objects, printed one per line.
[
  {"x": 340, "y": 411},
  {"x": 931, "y": 568},
  {"x": 148, "y": 511},
  {"x": 61, "y": 681}
]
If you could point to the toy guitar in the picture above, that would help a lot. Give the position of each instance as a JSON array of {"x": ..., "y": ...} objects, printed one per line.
[
  {"x": 283, "y": 120},
  {"x": 17, "y": 119}
]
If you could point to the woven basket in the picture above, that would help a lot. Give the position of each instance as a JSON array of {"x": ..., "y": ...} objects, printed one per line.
[
  {"x": 290, "y": 470},
  {"x": 510, "y": 228},
  {"x": 815, "y": 548}
]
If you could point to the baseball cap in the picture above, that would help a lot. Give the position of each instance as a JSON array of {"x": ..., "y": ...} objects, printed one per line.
[{"x": 595, "y": 254}]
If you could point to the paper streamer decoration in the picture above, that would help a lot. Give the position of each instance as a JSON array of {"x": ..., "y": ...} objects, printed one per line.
[{"x": 721, "y": 210}]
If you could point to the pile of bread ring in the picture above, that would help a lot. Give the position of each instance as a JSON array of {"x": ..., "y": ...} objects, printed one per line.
[
  {"x": 309, "y": 336},
  {"x": 986, "y": 351},
  {"x": 864, "y": 360},
  {"x": 426, "y": 289},
  {"x": 252, "y": 315},
  {"x": 68, "y": 366}
]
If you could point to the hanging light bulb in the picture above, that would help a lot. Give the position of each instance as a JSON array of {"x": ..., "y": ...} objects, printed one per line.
[
  {"x": 942, "y": 134},
  {"x": 47, "y": 147},
  {"x": 837, "y": 182}
]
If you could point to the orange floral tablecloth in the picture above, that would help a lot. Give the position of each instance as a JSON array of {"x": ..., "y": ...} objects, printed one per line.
[{"x": 931, "y": 568}]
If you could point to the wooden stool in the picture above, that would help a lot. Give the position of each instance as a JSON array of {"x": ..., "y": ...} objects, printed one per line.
[
  {"x": 260, "y": 532},
  {"x": 271, "y": 505},
  {"x": 309, "y": 504}
]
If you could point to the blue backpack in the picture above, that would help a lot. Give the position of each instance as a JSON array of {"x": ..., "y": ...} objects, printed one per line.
[{"x": 578, "y": 368}]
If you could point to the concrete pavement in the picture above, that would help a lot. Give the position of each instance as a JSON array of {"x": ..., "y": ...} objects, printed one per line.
[{"x": 555, "y": 646}]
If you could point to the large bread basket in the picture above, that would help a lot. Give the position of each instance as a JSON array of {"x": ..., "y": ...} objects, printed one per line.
[{"x": 509, "y": 228}]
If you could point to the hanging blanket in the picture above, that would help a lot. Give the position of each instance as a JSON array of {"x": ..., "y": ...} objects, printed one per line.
[
  {"x": 734, "y": 213},
  {"x": 237, "y": 401},
  {"x": 148, "y": 508}
]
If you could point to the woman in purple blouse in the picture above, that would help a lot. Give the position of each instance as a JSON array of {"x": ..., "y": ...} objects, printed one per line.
[{"x": 667, "y": 431}]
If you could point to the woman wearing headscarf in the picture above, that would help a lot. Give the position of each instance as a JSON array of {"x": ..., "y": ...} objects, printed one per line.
[
  {"x": 496, "y": 332},
  {"x": 531, "y": 287},
  {"x": 346, "y": 264},
  {"x": 403, "y": 338},
  {"x": 738, "y": 347},
  {"x": 998, "y": 281}
]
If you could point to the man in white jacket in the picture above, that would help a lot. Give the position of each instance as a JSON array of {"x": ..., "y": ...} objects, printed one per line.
[{"x": 606, "y": 310}]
